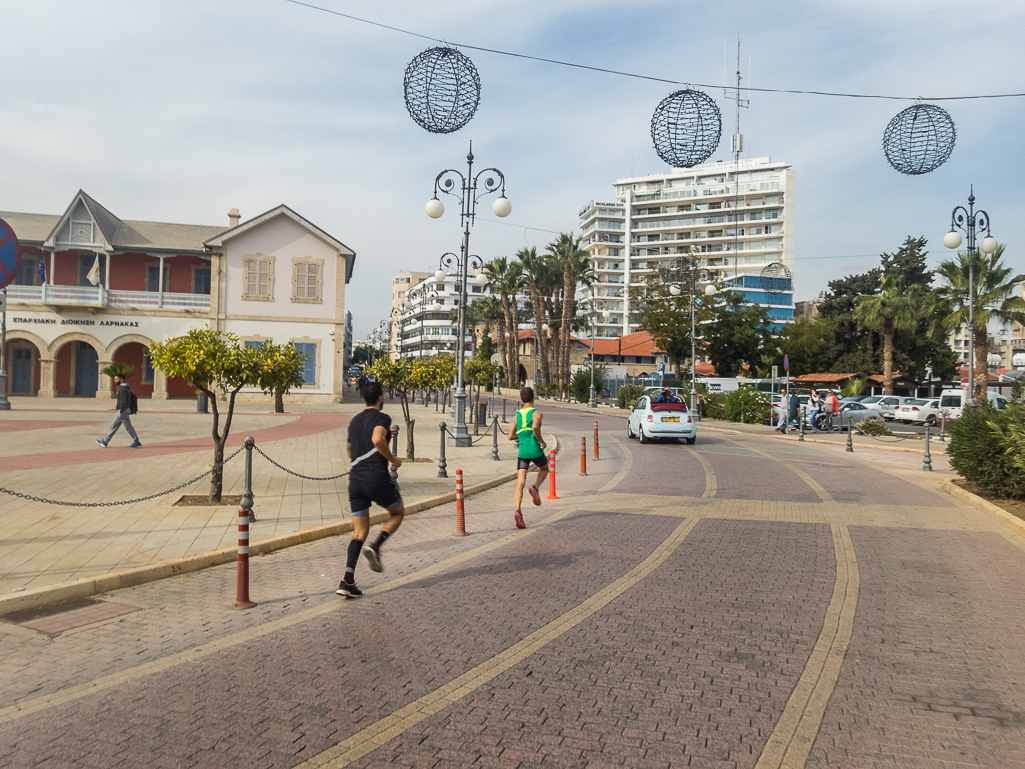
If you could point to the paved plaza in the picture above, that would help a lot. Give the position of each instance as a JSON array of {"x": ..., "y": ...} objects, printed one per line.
[{"x": 749, "y": 601}]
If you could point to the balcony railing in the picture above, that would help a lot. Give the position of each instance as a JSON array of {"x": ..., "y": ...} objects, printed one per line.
[{"x": 98, "y": 296}]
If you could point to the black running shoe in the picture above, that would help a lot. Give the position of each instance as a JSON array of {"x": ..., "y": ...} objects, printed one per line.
[
  {"x": 348, "y": 589},
  {"x": 373, "y": 558}
]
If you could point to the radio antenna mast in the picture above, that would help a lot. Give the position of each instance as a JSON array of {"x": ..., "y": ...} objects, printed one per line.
[{"x": 736, "y": 147}]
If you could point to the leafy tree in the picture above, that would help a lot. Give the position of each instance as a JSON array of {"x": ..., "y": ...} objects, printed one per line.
[
  {"x": 737, "y": 334},
  {"x": 994, "y": 289},
  {"x": 362, "y": 353},
  {"x": 479, "y": 372},
  {"x": 853, "y": 349},
  {"x": 907, "y": 265},
  {"x": 279, "y": 368},
  {"x": 209, "y": 361},
  {"x": 405, "y": 376},
  {"x": 667, "y": 317},
  {"x": 807, "y": 344},
  {"x": 893, "y": 308}
]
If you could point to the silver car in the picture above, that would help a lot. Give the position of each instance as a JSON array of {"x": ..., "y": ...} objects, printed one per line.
[{"x": 886, "y": 404}]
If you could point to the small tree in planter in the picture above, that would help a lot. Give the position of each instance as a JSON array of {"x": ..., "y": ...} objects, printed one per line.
[
  {"x": 209, "y": 361},
  {"x": 279, "y": 368},
  {"x": 478, "y": 371},
  {"x": 404, "y": 376}
]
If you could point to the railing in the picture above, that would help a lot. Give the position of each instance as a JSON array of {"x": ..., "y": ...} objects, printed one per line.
[{"x": 97, "y": 296}]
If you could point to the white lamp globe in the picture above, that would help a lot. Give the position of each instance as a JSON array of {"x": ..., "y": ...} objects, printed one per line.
[
  {"x": 502, "y": 207},
  {"x": 952, "y": 239},
  {"x": 544, "y": 326},
  {"x": 481, "y": 279},
  {"x": 709, "y": 290},
  {"x": 605, "y": 314},
  {"x": 989, "y": 245},
  {"x": 440, "y": 276},
  {"x": 674, "y": 290},
  {"x": 435, "y": 208}
]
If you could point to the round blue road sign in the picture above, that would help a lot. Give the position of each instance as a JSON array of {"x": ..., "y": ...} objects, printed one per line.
[
  {"x": 10, "y": 255},
  {"x": 786, "y": 362}
]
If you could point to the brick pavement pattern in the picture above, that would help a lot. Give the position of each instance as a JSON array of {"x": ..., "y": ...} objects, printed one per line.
[{"x": 697, "y": 664}]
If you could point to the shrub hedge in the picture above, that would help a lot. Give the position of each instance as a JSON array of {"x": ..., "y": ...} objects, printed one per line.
[{"x": 982, "y": 450}]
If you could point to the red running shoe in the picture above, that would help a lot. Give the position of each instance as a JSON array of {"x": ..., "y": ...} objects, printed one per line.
[
  {"x": 519, "y": 520},
  {"x": 534, "y": 495}
]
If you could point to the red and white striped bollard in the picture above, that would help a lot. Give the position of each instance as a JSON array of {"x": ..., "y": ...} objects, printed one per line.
[{"x": 460, "y": 511}]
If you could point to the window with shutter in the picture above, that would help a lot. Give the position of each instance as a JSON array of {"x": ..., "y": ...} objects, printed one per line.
[
  {"x": 306, "y": 280},
  {"x": 258, "y": 278}
]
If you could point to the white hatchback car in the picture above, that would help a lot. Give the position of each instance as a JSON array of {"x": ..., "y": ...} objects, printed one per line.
[
  {"x": 651, "y": 420},
  {"x": 923, "y": 410}
]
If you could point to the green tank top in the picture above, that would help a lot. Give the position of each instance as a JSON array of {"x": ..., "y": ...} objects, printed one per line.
[{"x": 529, "y": 447}]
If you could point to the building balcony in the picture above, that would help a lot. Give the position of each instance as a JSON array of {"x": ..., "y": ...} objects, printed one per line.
[{"x": 97, "y": 297}]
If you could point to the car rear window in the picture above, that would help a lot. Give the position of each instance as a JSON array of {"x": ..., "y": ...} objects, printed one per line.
[{"x": 668, "y": 407}]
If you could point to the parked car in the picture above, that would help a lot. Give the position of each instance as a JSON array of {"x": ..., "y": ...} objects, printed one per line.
[
  {"x": 952, "y": 402},
  {"x": 650, "y": 420},
  {"x": 886, "y": 404},
  {"x": 922, "y": 411}
]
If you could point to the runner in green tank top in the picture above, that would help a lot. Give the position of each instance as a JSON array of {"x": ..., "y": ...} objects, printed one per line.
[{"x": 526, "y": 429}]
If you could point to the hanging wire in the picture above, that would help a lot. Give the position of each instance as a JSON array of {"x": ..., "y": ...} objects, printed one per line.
[{"x": 648, "y": 77}]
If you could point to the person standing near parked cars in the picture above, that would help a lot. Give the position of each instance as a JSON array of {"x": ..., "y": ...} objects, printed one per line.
[
  {"x": 125, "y": 407},
  {"x": 795, "y": 410},
  {"x": 814, "y": 407},
  {"x": 784, "y": 411},
  {"x": 832, "y": 408}
]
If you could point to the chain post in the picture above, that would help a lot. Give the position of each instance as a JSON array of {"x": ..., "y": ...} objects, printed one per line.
[
  {"x": 850, "y": 433},
  {"x": 394, "y": 473},
  {"x": 927, "y": 461},
  {"x": 596, "y": 440},
  {"x": 442, "y": 464},
  {"x": 245, "y": 515},
  {"x": 494, "y": 444},
  {"x": 504, "y": 420},
  {"x": 800, "y": 430}
]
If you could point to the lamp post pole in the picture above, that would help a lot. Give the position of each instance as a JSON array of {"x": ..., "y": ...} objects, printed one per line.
[
  {"x": 968, "y": 220},
  {"x": 466, "y": 192},
  {"x": 595, "y": 305},
  {"x": 675, "y": 289}
]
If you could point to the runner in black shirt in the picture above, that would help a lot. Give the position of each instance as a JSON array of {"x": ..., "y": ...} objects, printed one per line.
[{"x": 369, "y": 482}]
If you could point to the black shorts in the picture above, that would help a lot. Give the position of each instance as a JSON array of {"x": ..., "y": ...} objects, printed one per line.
[
  {"x": 373, "y": 489},
  {"x": 523, "y": 463}
]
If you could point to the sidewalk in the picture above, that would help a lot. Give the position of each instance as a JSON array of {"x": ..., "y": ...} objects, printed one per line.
[{"x": 51, "y": 453}]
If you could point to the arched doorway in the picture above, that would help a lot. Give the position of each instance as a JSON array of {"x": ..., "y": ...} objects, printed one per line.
[
  {"x": 23, "y": 354},
  {"x": 136, "y": 355},
  {"x": 523, "y": 374},
  {"x": 76, "y": 366}
]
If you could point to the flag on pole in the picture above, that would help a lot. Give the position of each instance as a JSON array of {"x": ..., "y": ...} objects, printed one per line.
[
  {"x": 94, "y": 272},
  {"x": 42, "y": 268}
]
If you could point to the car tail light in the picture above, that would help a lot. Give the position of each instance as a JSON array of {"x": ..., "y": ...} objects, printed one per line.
[
  {"x": 914, "y": 408},
  {"x": 650, "y": 418},
  {"x": 689, "y": 420}
]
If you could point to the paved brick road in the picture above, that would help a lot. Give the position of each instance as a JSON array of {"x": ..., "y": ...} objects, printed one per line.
[{"x": 746, "y": 602}]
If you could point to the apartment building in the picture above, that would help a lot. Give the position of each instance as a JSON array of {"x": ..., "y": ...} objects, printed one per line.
[
  {"x": 94, "y": 289},
  {"x": 421, "y": 327},
  {"x": 400, "y": 284},
  {"x": 736, "y": 220}
]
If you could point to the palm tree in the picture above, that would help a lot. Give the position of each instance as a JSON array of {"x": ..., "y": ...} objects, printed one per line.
[
  {"x": 994, "y": 299},
  {"x": 506, "y": 280},
  {"x": 476, "y": 315},
  {"x": 889, "y": 311},
  {"x": 575, "y": 265},
  {"x": 538, "y": 277}
]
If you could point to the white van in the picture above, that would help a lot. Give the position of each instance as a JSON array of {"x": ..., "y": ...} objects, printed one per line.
[{"x": 952, "y": 402}]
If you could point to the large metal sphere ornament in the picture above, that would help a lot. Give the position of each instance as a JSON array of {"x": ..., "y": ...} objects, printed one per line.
[
  {"x": 919, "y": 139},
  {"x": 686, "y": 128},
  {"x": 442, "y": 90},
  {"x": 776, "y": 278}
]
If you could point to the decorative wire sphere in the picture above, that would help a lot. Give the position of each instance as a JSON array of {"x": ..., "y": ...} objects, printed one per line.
[
  {"x": 686, "y": 128},
  {"x": 442, "y": 90},
  {"x": 919, "y": 139},
  {"x": 776, "y": 278}
]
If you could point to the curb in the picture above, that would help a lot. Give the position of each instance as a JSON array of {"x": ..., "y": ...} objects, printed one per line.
[
  {"x": 51, "y": 594},
  {"x": 832, "y": 443},
  {"x": 994, "y": 511}
]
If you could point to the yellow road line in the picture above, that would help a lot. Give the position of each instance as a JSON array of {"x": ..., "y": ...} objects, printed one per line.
[
  {"x": 22, "y": 709},
  {"x": 791, "y": 741},
  {"x": 391, "y": 726},
  {"x": 711, "y": 485},
  {"x": 628, "y": 462},
  {"x": 814, "y": 485}
]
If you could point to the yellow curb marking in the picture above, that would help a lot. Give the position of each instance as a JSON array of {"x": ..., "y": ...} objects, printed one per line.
[
  {"x": 73, "y": 693},
  {"x": 628, "y": 462},
  {"x": 388, "y": 728},
  {"x": 711, "y": 484},
  {"x": 791, "y": 741}
]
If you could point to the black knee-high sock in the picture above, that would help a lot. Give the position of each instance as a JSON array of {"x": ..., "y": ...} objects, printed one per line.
[
  {"x": 382, "y": 537},
  {"x": 351, "y": 557}
]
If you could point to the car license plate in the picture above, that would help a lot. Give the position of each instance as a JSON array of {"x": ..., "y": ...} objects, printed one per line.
[{"x": 670, "y": 419}]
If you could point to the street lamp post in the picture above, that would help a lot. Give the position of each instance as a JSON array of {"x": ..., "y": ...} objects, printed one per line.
[
  {"x": 968, "y": 220},
  {"x": 489, "y": 180},
  {"x": 675, "y": 289},
  {"x": 594, "y": 306}
]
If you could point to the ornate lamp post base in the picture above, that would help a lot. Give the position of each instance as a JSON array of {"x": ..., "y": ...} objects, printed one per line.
[
  {"x": 460, "y": 433},
  {"x": 5, "y": 405},
  {"x": 592, "y": 399}
]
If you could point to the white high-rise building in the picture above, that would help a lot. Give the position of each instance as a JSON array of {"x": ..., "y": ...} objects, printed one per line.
[{"x": 737, "y": 220}]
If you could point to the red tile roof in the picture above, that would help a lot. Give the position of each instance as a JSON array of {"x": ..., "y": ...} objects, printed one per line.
[
  {"x": 639, "y": 343},
  {"x": 822, "y": 378}
]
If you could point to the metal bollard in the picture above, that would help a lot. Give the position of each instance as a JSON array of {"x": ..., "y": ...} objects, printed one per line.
[
  {"x": 504, "y": 420},
  {"x": 551, "y": 476},
  {"x": 583, "y": 455},
  {"x": 494, "y": 442},
  {"x": 442, "y": 464},
  {"x": 927, "y": 461},
  {"x": 460, "y": 511},
  {"x": 850, "y": 434},
  {"x": 800, "y": 422},
  {"x": 596, "y": 440},
  {"x": 394, "y": 473},
  {"x": 245, "y": 511}
]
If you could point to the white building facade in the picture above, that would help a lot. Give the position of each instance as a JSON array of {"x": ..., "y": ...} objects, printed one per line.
[
  {"x": 423, "y": 328},
  {"x": 735, "y": 219},
  {"x": 276, "y": 278}
]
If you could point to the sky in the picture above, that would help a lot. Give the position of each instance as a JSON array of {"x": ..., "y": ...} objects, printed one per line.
[{"x": 179, "y": 110}]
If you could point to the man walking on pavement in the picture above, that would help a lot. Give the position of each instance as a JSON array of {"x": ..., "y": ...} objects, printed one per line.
[
  {"x": 370, "y": 482},
  {"x": 526, "y": 428},
  {"x": 795, "y": 409},
  {"x": 831, "y": 408},
  {"x": 784, "y": 411},
  {"x": 123, "y": 407}
]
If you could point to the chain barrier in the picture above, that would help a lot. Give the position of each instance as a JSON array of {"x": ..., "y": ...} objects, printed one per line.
[
  {"x": 299, "y": 475},
  {"x": 179, "y": 487},
  {"x": 893, "y": 438}
]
